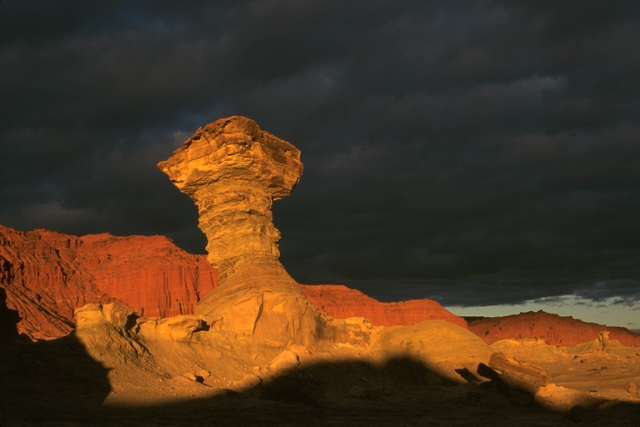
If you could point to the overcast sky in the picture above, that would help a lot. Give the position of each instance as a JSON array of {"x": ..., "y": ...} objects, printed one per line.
[{"x": 478, "y": 152}]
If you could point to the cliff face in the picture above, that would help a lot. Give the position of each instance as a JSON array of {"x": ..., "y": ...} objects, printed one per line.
[
  {"x": 150, "y": 274},
  {"x": 42, "y": 281},
  {"x": 342, "y": 302},
  {"x": 47, "y": 275},
  {"x": 553, "y": 329}
]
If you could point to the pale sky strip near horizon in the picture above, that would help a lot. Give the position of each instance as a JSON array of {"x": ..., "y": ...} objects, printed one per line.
[{"x": 605, "y": 312}]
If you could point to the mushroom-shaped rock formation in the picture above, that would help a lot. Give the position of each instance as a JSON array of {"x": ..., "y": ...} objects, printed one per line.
[{"x": 234, "y": 171}]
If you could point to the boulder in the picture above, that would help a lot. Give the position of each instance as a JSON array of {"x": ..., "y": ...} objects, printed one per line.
[
  {"x": 108, "y": 333},
  {"x": 177, "y": 328},
  {"x": 518, "y": 373},
  {"x": 449, "y": 350},
  {"x": 563, "y": 399},
  {"x": 285, "y": 361}
]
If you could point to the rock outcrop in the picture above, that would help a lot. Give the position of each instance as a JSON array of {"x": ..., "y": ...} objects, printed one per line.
[
  {"x": 148, "y": 273},
  {"x": 448, "y": 349},
  {"x": 9, "y": 335},
  {"x": 47, "y": 275},
  {"x": 42, "y": 281},
  {"x": 341, "y": 302},
  {"x": 551, "y": 328},
  {"x": 234, "y": 171}
]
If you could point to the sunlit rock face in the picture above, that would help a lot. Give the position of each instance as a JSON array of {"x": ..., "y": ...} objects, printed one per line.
[
  {"x": 47, "y": 275},
  {"x": 42, "y": 281},
  {"x": 341, "y": 302},
  {"x": 234, "y": 171}
]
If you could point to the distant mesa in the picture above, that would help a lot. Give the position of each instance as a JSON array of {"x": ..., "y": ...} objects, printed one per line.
[{"x": 550, "y": 328}]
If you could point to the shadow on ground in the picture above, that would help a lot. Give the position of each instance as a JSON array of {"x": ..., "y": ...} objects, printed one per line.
[
  {"x": 37, "y": 378},
  {"x": 57, "y": 383}
]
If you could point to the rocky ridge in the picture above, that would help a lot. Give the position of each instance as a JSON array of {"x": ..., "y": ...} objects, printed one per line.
[{"x": 550, "y": 328}]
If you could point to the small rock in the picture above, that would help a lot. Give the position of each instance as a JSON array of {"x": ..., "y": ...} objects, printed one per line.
[
  {"x": 191, "y": 376},
  {"x": 247, "y": 381},
  {"x": 285, "y": 360},
  {"x": 198, "y": 376},
  {"x": 563, "y": 399},
  {"x": 203, "y": 373},
  {"x": 633, "y": 390}
]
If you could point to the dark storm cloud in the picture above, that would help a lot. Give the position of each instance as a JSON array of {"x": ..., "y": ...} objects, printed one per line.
[{"x": 478, "y": 152}]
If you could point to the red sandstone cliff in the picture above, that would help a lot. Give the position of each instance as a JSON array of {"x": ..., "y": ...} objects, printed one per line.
[
  {"x": 43, "y": 282},
  {"x": 553, "y": 329},
  {"x": 150, "y": 274},
  {"x": 47, "y": 275},
  {"x": 341, "y": 302}
]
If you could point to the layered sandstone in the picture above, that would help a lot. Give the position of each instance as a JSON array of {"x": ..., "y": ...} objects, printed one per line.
[
  {"x": 47, "y": 275},
  {"x": 551, "y": 328},
  {"x": 234, "y": 171},
  {"x": 342, "y": 302},
  {"x": 148, "y": 273},
  {"x": 42, "y": 281},
  {"x": 446, "y": 348}
]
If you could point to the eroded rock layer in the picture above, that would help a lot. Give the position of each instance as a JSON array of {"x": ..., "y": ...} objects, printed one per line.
[
  {"x": 342, "y": 302},
  {"x": 234, "y": 171},
  {"x": 43, "y": 282},
  {"x": 47, "y": 275},
  {"x": 551, "y": 328},
  {"x": 149, "y": 273}
]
